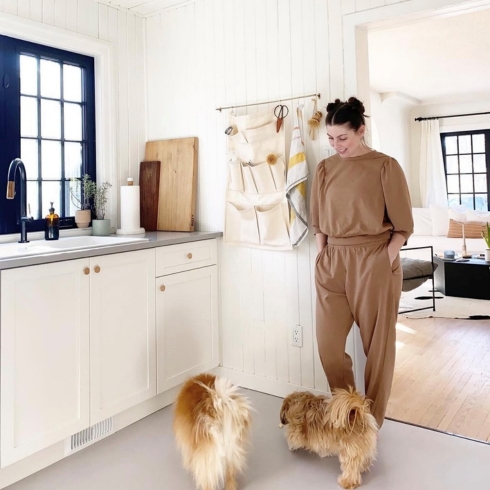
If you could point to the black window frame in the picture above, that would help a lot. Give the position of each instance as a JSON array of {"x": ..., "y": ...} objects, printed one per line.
[
  {"x": 486, "y": 133},
  {"x": 10, "y": 128}
]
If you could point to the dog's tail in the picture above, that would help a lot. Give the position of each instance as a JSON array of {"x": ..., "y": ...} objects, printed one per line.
[{"x": 350, "y": 410}]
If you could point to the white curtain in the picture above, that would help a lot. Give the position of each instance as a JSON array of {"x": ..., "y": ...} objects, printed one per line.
[{"x": 432, "y": 176}]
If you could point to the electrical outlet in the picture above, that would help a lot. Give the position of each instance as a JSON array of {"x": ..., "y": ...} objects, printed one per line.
[{"x": 297, "y": 335}]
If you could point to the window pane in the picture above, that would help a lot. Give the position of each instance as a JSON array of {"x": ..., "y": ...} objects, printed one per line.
[
  {"x": 50, "y": 79},
  {"x": 51, "y": 160},
  {"x": 479, "y": 163},
  {"x": 452, "y": 183},
  {"x": 464, "y": 144},
  {"x": 452, "y": 165},
  {"x": 73, "y": 122},
  {"x": 478, "y": 143},
  {"x": 29, "y": 155},
  {"x": 73, "y": 160},
  {"x": 466, "y": 183},
  {"x": 72, "y": 83},
  {"x": 453, "y": 200},
  {"x": 465, "y": 164},
  {"x": 28, "y": 75},
  {"x": 32, "y": 199},
  {"x": 28, "y": 117},
  {"x": 467, "y": 200},
  {"x": 50, "y": 119},
  {"x": 481, "y": 202},
  {"x": 70, "y": 207},
  {"x": 480, "y": 183},
  {"x": 51, "y": 193},
  {"x": 451, "y": 145}
]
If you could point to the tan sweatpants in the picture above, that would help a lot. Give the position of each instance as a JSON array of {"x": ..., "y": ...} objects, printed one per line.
[{"x": 356, "y": 282}]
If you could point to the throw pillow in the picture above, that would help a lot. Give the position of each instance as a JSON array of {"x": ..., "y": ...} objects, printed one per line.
[
  {"x": 458, "y": 213},
  {"x": 440, "y": 220},
  {"x": 471, "y": 229},
  {"x": 415, "y": 272},
  {"x": 480, "y": 216}
]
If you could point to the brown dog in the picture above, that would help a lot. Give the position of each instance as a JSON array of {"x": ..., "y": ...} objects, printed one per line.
[
  {"x": 211, "y": 425},
  {"x": 339, "y": 425}
]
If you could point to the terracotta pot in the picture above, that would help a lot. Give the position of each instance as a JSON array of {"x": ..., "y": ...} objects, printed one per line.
[{"x": 82, "y": 218}]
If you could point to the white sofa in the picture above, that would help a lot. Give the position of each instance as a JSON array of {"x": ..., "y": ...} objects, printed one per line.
[{"x": 431, "y": 227}]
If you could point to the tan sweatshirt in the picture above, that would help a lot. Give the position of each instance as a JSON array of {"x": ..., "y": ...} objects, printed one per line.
[{"x": 358, "y": 196}]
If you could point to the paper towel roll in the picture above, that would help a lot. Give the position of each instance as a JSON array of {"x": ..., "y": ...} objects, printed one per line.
[{"x": 130, "y": 211}]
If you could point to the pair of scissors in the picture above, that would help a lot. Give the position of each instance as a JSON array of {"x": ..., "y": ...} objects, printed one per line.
[{"x": 281, "y": 111}]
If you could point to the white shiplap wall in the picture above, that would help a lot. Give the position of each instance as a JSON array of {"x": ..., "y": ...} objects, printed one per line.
[
  {"x": 214, "y": 53},
  {"x": 127, "y": 32}
]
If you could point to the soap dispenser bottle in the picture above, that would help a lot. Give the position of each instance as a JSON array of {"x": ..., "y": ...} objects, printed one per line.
[{"x": 52, "y": 230}]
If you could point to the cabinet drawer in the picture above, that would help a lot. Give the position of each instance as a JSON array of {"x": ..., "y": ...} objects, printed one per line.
[{"x": 185, "y": 256}]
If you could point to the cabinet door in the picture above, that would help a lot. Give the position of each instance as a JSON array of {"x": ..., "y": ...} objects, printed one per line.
[
  {"x": 122, "y": 332},
  {"x": 44, "y": 356},
  {"x": 187, "y": 325}
]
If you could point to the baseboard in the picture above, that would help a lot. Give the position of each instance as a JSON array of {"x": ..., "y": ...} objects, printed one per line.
[{"x": 261, "y": 383}]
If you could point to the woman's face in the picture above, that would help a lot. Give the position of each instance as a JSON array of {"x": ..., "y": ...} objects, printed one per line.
[{"x": 346, "y": 142}]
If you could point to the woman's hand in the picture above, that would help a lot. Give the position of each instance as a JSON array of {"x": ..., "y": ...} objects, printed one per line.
[{"x": 396, "y": 243}]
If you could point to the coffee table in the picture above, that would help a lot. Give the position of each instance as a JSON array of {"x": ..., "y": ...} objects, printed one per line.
[{"x": 469, "y": 279}]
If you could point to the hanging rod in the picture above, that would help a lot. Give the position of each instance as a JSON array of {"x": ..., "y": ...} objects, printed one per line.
[
  {"x": 454, "y": 115},
  {"x": 269, "y": 102}
]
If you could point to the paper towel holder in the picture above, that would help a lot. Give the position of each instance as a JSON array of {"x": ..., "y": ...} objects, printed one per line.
[{"x": 133, "y": 227}]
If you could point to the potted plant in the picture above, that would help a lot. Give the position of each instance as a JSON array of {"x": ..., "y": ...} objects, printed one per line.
[
  {"x": 81, "y": 192},
  {"x": 486, "y": 237},
  {"x": 100, "y": 225}
]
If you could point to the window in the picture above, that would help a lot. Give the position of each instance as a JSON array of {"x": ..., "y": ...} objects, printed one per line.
[
  {"x": 467, "y": 166},
  {"x": 47, "y": 106}
]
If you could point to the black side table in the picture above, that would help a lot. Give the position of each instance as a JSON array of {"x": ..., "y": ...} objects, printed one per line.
[{"x": 469, "y": 279}]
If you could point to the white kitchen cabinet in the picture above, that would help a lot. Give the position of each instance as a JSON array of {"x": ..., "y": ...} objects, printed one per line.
[
  {"x": 44, "y": 356},
  {"x": 122, "y": 332},
  {"x": 187, "y": 323}
]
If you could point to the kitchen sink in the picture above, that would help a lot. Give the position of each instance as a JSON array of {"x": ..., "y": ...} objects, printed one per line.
[{"x": 37, "y": 247}]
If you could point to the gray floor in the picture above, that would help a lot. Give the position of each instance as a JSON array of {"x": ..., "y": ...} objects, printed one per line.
[{"x": 143, "y": 457}]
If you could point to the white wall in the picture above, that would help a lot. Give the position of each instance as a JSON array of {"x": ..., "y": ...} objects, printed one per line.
[
  {"x": 447, "y": 107},
  {"x": 391, "y": 116},
  {"x": 127, "y": 32}
]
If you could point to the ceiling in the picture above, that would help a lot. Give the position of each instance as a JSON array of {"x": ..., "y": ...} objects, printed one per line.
[
  {"x": 433, "y": 60},
  {"x": 143, "y": 7}
]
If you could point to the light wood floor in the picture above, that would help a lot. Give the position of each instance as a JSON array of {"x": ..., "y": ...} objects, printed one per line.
[{"x": 442, "y": 375}]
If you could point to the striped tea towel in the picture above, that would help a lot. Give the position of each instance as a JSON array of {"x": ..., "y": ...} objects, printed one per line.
[{"x": 296, "y": 184}]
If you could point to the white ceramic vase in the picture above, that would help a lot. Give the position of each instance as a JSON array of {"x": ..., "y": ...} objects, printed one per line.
[
  {"x": 101, "y": 227},
  {"x": 487, "y": 255}
]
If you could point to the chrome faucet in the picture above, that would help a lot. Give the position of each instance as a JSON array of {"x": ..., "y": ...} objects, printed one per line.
[{"x": 17, "y": 164}]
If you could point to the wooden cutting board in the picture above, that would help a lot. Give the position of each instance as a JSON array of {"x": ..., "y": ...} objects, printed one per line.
[{"x": 177, "y": 183}]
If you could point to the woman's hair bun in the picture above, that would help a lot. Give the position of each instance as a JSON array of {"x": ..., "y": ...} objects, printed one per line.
[
  {"x": 333, "y": 106},
  {"x": 356, "y": 104}
]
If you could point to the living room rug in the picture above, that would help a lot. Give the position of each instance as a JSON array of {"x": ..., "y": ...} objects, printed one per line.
[{"x": 446, "y": 306}]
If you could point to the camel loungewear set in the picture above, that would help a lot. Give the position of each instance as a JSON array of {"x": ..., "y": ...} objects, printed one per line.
[{"x": 358, "y": 203}]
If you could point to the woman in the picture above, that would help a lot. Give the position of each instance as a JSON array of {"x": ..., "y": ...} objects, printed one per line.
[{"x": 361, "y": 214}]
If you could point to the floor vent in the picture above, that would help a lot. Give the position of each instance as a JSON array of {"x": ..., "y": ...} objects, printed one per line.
[{"x": 90, "y": 435}]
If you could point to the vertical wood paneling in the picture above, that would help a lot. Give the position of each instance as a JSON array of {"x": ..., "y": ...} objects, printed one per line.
[
  {"x": 36, "y": 10},
  {"x": 10, "y": 6},
  {"x": 48, "y": 12},
  {"x": 23, "y": 8},
  {"x": 377, "y": 3},
  {"x": 103, "y": 22},
  {"x": 348, "y": 6},
  {"x": 141, "y": 109},
  {"x": 60, "y": 14},
  {"x": 82, "y": 17},
  {"x": 72, "y": 15},
  {"x": 363, "y": 5}
]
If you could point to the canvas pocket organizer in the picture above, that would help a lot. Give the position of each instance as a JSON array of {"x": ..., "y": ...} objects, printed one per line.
[{"x": 256, "y": 211}]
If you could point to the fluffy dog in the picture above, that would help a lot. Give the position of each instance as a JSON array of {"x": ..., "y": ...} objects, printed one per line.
[
  {"x": 339, "y": 425},
  {"x": 211, "y": 426}
]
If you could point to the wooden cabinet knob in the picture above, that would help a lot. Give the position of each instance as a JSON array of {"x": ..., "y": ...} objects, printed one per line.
[
  {"x": 162, "y": 288},
  {"x": 86, "y": 271},
  {"x": 97, "y": 269},
  {"x": 189, "y": 256}
]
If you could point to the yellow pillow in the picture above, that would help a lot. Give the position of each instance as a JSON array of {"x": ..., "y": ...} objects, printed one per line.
[{"x": 472, "y": 229}]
